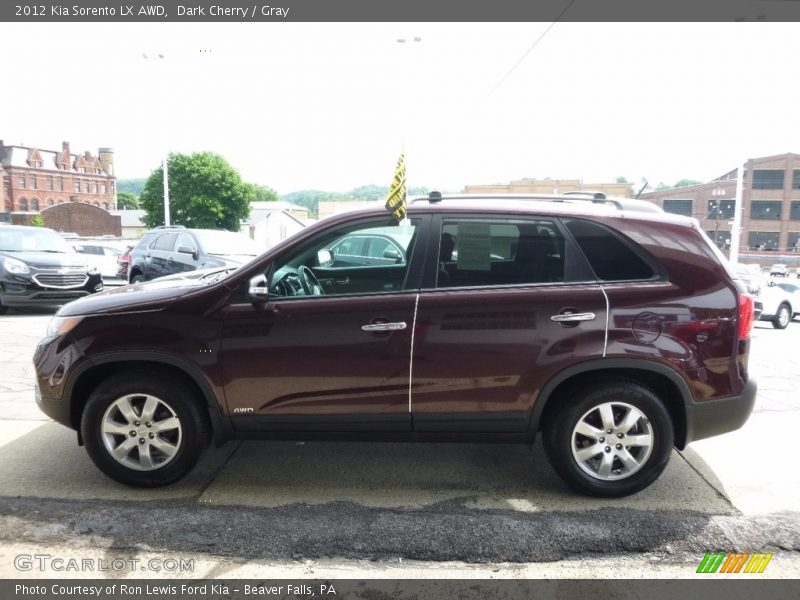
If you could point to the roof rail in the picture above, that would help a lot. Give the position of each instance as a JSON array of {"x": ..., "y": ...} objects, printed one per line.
[
  {"x": 587, "y": 194},
  {"x": 436, "y": 197},
  {"x": 170, "y": 227}
]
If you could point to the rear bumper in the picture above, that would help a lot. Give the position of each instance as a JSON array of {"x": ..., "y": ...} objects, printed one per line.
[{"x": 714, "y": 417}]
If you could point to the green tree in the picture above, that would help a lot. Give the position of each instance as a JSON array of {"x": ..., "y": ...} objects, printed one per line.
[
  {"x": 127, "y": 201},
  {"x": 264, "y": 193},
  {"x": 686, "y": 183},
  {"x": 37, "y": 221},
  {"x": 621, "y": 180},
  {"x": 204, "y": 192}
]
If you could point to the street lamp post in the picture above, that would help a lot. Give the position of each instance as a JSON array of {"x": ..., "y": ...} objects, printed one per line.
[
  {"x": 718, "y": 191},
  {"x": 165, "y": 160}
]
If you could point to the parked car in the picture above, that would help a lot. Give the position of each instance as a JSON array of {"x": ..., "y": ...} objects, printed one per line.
[
  {"x": 748, "y": 277},
  {"x": 101, "y": 256},
  {"x": 779, "y": 270},
  {"x": 780, "y": 303},
  {"x": 39, "y": 268},
  {"x": 568, "y": 319},
  {"x": 169, "y": 250},
  {"x": 123, "y": 263},
  {"x": 382, "y": 246}
]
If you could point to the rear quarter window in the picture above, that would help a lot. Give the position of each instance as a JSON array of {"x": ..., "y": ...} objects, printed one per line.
[{"x": 611, "y": 258}]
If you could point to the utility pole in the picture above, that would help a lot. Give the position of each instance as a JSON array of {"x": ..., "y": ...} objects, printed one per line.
[{"x": 737, "y": 215}]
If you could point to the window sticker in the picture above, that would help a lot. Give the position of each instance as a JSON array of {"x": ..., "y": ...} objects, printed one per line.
[{"x": 474, "y": 247}]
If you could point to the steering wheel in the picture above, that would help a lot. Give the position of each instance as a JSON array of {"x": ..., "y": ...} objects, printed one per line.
[{"x": 311, "y": 285}]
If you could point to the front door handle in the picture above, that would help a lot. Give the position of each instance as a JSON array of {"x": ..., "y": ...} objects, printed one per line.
[
  {"x": 384, "y": 326},
  {"x": 571, "y": 317}
]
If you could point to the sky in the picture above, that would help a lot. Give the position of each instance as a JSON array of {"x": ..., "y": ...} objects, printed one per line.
[{"x": 330, "y": 106}]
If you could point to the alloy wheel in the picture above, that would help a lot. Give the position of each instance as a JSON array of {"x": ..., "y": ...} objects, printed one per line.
[
  {"x": 141, "y": 432},
  {"x": 612, "y": 441}
]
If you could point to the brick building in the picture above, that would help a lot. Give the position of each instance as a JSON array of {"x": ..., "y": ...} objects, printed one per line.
[
  {"x": 34, "y": 179},
  {"x": 550, "y": 186},
  {"x": 770, "y": 204}
]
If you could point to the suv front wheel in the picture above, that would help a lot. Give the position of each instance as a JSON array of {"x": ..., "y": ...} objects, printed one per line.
[
  {"x": 612, "y": 440},
  {"x": 143, "y": 430}
]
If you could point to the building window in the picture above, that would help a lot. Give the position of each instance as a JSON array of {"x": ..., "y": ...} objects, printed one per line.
[
  {"x": 51, "y": 203},
  {"x": 35, "y": 204},
  {"x": 32, "y": 181},
  {"x": 103, "y": 186},
  {"x": 794, "y": 210},
  {"x": 793, "y": 243},
  {"x": 94, "y": 186},
  {"x": 23, "y": 204},
  {"x": 720, "y": 238},
  {"x": 678, "y": 207},
  {"x": 795, "y": 179},
  {"x": 50, "y": 182},
  {"x": 721, "y": 209},
  {"x": 765, "y": 209},
  {"x": 763, "y": 240},
  {"x": 768, "y": 179},
  {"x": 76, "y": 185},
  {"x": 111, "y": 185},
  {"x": 21, "y": 182},
  {"x": 60, "y": 183}
]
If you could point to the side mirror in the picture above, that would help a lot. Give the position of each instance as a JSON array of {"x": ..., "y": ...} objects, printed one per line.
[
  {"x": 324, "y": 258},
  {"x": 258, "y": 290},
  {"x": 392, "y": 254},
  {"x": 187, "y": 250}
]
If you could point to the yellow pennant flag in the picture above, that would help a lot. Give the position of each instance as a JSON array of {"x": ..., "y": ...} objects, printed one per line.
[{"x": 396, "y": 200}]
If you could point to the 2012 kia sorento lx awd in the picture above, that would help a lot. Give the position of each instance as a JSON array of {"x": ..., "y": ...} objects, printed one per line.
[{"x": 616, "y": 334}]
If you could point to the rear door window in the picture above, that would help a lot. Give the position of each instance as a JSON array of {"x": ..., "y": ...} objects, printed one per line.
[
  {"x": 499, "y": 252},
  {"x": 611, "y": 258}
]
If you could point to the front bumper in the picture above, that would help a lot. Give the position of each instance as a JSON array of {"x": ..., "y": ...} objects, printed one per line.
[
  {"x": 55, "y": 408},
  {"x": 20, "y": 291},
  {"x": 714, "y": 417}
]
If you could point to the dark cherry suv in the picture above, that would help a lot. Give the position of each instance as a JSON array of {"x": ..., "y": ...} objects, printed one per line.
[{"x": 616, "y": 334}]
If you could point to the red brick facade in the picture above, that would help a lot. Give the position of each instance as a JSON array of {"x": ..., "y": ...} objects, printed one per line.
[
  {"x": 34, "y": 179},
  {"x": 76, "y": 217}
]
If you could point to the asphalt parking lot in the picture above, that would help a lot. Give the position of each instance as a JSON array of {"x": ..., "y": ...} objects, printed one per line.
[{"x": 328, "y": 509}]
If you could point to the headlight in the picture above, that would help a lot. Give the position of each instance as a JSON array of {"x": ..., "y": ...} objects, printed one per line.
[
  {"x": 93, "y": 270},
  {"x": 12, "y": 265},
  {"x": 62, "y": 325}
]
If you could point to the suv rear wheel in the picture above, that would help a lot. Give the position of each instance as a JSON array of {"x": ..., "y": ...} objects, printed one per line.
[
  {"x": 613, "y": 440},
  {"x": 143, "y": 430}
]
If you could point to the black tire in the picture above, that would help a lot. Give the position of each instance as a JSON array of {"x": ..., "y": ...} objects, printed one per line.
[
  {"x": 175, "y": 397},
  {"x": 783, "y": 317},
  {"x": 3, "y": 308},
  {"x": 138, "y": 278},
  {"x": 558, "y": 432}
]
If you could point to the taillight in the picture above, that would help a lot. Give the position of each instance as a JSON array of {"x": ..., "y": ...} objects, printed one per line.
[{"x": 746, "y": 315}]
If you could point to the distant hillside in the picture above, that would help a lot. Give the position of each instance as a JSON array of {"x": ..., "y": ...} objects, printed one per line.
[
  {"x": 134, "y": 186},
  {"x": 311, "y": 198}
]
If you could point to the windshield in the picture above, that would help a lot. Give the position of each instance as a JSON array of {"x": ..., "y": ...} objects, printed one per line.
[
  {"x": 227, "y": 243},
  {"x": 33, "y": 240}
]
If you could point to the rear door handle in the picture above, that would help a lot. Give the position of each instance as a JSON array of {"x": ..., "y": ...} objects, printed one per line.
[
  {"x": 571, "y": 317},
  {"x": 384, "y": 326}
]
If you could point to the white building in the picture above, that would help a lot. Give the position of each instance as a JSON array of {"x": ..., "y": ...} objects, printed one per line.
[{"x": 273, "y": 222}]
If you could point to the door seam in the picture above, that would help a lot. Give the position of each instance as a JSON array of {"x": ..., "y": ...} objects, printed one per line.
[{"x": 411, "y": 357}]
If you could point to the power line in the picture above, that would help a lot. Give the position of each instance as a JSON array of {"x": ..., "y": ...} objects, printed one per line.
[{"x": 529, "y": 50}]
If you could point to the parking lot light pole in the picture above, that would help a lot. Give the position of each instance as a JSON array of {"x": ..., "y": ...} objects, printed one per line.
[
  {"x": 737, "y": 215},
  {"x": 165, "y": 160}
]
